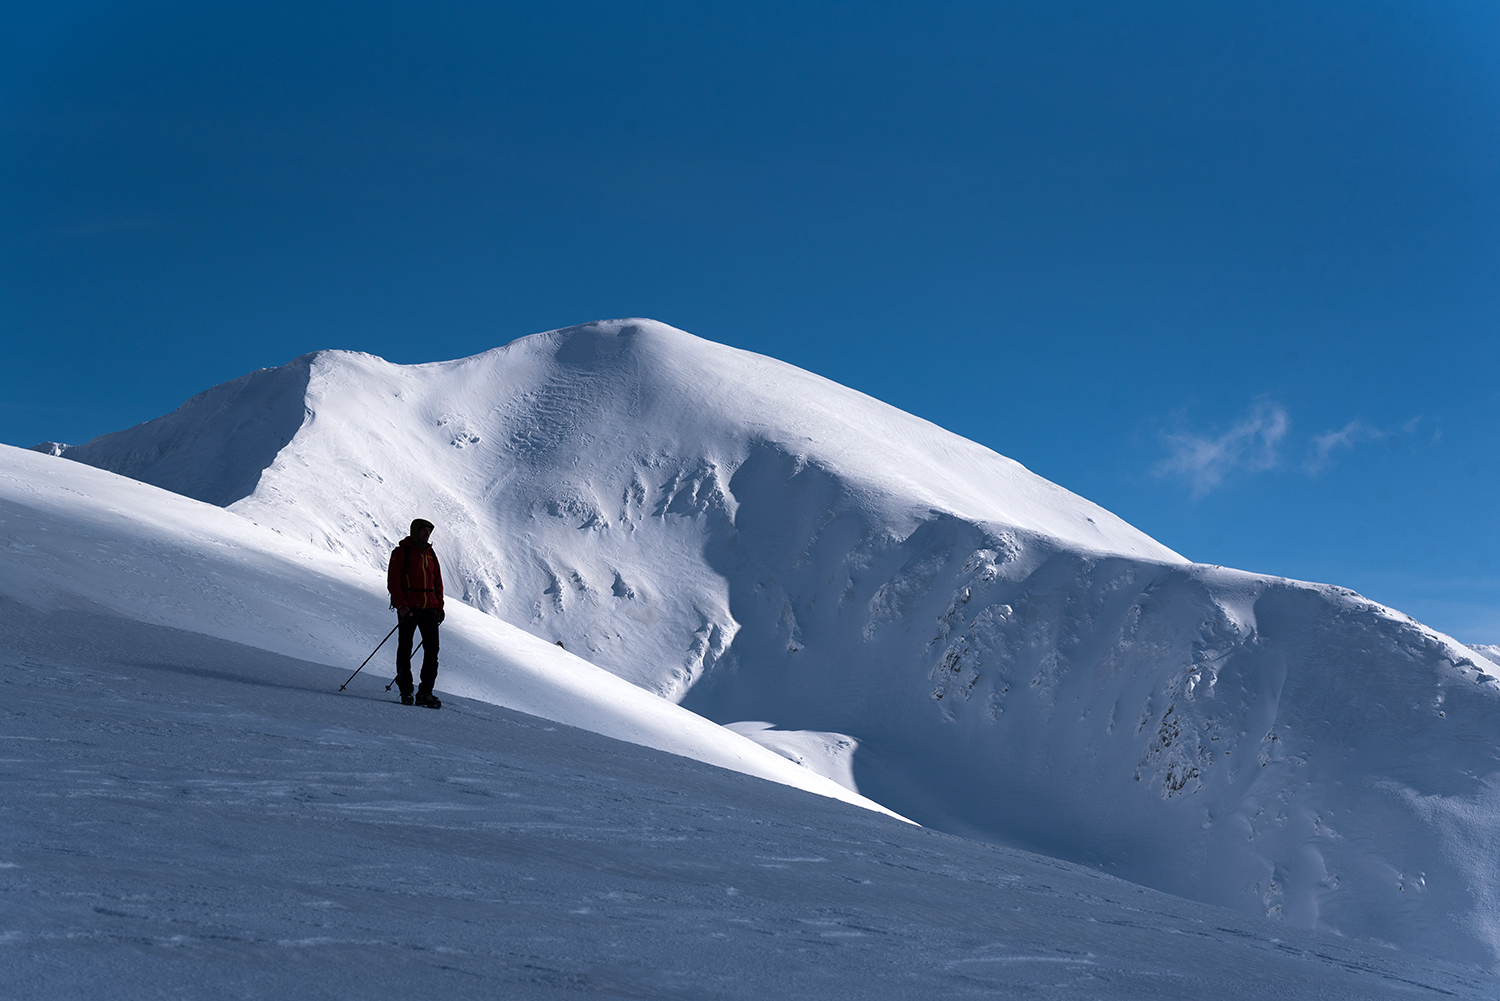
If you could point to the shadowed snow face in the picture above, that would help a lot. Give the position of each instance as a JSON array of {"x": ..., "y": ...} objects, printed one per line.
[{"x": 214, "y": 447}]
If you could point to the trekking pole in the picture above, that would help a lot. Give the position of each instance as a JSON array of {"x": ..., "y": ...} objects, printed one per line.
[
  {"x": 372, "y": 653},
  {"x": 413, "y": 653}
]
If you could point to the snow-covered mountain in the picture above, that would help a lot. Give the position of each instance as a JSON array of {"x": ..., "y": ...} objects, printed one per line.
[{"x": 830, "y": 576}]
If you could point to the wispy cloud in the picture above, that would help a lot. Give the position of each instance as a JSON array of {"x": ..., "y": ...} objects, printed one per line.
[
  {"x": 1251, "y": 445},
  {"x": 1320, "y": 456},
  {"x": 1255, "y": 442}
]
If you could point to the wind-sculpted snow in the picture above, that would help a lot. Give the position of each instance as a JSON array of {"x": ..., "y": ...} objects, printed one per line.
[
  {"x": 1489, "y": 651},
  {"x": 1005, "y": 659}
]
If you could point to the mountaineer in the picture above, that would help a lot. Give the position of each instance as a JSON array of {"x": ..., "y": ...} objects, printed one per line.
[{"x": 416, "y": 584}]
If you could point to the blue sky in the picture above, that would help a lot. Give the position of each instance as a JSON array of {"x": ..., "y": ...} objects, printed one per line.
[{"x": 1232, "y": 270}]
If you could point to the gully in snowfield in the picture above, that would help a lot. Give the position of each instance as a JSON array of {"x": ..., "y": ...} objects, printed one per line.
[{"x": 416, "y": 585}]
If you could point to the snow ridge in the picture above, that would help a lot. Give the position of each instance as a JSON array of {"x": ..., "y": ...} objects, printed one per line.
[{"x": 214, "y": 446}]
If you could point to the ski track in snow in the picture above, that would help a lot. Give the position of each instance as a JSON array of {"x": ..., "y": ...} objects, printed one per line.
[{"x": 189, "y": 817}]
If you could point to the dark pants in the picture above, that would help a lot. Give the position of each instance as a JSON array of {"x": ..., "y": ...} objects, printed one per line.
[{"x": 425, "y": 619}]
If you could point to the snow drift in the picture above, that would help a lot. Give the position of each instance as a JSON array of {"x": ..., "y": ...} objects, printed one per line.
[{"x": 834, "y": 577}]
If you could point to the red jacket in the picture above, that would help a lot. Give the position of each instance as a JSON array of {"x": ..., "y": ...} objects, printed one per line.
[{"x": 414, "y": 579}]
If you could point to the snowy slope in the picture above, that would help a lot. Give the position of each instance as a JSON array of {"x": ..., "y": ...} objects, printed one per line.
[
  {"x": 186, "y": 817},
  {"x": 965, "y": 642},
  {"x": 79, "y": 539}
]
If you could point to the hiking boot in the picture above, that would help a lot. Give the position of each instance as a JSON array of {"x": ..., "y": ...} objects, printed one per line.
[
  {"x": 406, "y": 699},
  {"x": 429, "y": 700}
]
